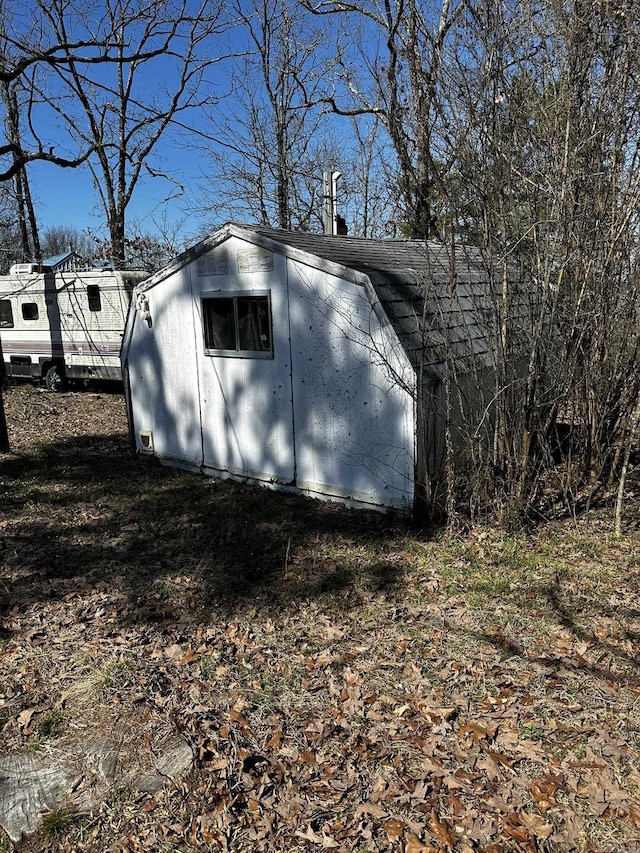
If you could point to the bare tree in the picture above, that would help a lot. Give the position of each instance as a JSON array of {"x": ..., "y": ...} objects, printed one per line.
[
  {"x": 403, "y": 57},
  {"x": 21, "y": 189},
  {"x": 547, "y": 179},
  {"x": 10, "y": 238},
  {"x": 28, "y": 50},
  {"x": 158, "y": 55},
  {"x": 92, "y": 65},
  {"x": 371, "y": 202},
  {"x": 270, "y": 143},
  {"x": 59, "y": 239},
  {"x": 515, "y": 128},
  {"x": 145, "y": 250}
]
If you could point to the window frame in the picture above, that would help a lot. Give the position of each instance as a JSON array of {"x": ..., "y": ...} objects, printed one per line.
[
  {"x": 34, "y": 309},
  {"x": 234, "y": 297},
  {"x": 94, "y": 300},
  {"x": 11, "y": 323}
]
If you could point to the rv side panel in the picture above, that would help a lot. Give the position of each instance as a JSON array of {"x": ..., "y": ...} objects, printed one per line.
[{"x": 72, "y": 321}]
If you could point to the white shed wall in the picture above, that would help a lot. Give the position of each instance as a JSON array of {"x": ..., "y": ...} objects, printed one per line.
[
  {"x": 247, "y": 426},
  {"x": 326, "y": 415},
  {"x": 355, "y": 423},
  {"x": 162, "y": 366}
]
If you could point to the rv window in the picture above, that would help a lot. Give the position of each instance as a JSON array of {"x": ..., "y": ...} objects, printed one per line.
[
  {"x": 6, "y": 314},
  {"x": 93, "y": 294},
  {"x": 238, "y": 325},
  {"x": 29, "y": 311}
]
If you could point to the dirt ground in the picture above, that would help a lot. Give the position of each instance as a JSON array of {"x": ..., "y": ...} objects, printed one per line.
[{"x": 342, "y": 680}]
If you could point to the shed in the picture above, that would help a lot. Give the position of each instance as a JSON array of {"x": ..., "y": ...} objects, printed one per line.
[{"x": 307, "y": 362}]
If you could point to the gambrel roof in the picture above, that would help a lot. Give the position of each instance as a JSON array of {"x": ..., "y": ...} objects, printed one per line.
[{"x": 443, "y": 303}]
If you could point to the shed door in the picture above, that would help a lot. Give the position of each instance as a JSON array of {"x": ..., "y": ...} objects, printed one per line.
[{"x": 245, "y": 387}]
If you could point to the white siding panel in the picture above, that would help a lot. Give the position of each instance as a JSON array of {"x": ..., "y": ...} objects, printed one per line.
[
  {"x": 247, "y": 426},
  {"x": 163, "y": 373},
  {"x": 354, "y": 420}
]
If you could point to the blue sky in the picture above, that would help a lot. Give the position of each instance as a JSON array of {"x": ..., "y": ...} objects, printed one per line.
[{"x": 67, "y": 197}]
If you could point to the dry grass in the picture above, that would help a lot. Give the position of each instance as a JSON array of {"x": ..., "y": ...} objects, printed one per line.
[{"x": 410, "y": 690}]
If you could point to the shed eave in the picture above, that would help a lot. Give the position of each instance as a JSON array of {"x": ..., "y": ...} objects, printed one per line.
[
  {"x": 303, "y": 256},
  {"x": 188, "y": 256}
]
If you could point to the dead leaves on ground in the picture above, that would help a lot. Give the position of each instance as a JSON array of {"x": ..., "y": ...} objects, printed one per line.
[
  {"x": 359, "y": 719},
  {"x": 364, "y": 742},
  {"x": 384, "y": 773}
]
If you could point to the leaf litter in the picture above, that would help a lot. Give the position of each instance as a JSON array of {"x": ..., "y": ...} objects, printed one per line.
[{"x": 340, "y": 680}]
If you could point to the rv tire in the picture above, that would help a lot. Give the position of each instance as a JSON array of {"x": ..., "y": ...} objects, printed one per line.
[{"x": 53, "y": 379}]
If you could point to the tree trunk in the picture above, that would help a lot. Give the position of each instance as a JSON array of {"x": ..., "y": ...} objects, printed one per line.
[{"x": 633, "y": 437}]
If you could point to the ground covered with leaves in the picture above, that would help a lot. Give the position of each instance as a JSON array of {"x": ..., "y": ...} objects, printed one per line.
[{"x": 343, "y": 680}]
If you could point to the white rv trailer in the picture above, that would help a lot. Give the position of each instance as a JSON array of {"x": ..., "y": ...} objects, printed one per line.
[{"x": 64, "y": 325}]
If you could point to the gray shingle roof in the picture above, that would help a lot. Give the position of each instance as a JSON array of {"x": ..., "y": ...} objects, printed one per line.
[{"x": 444, "y": 304}]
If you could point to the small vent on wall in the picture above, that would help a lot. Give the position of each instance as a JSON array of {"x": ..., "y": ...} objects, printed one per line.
[
  {"x": 254, "y": 260},
  {"x": 212, "y": 264},
  {"x": 146, "y": 441}
]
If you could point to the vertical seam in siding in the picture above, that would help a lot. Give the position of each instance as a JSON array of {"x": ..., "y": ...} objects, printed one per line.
[
  {"x": 197, "y": 337},
  {"x": 293, "y": 411}
]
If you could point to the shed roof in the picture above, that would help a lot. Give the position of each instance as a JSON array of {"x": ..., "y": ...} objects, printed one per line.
[
  {"x": 444, "y": 303},
  {"x": 393, "y": 261}
]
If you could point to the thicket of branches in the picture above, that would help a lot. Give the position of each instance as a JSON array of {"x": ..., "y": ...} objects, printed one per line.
[
  {"x": 510, "y": 126},
  {"x": 515, "y": 128},
  {"x": 547, "y": 175}
]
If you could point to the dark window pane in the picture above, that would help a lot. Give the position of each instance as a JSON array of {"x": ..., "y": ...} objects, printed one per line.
[
  {"x": 254, "y": 323},
  {"x": 6, "y": 314},
  {"x": 219, "y": 324},
  {"x": 93, "y": 295},
  {"x": 29, "y": 311}
]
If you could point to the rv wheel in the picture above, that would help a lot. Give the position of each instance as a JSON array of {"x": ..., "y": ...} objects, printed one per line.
[{"x": 53, "y": 379}]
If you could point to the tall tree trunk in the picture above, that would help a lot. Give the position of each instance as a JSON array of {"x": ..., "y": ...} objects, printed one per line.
[
  {"x": 24, "y": 203},
  {"x": 26, "y": 216}
]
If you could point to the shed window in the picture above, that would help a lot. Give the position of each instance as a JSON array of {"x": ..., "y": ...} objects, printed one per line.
[
  {"x": 93, "y": 295},
  {"x": 6, "y": 314},
  {"x": 239, "y": 325},
  {"x": 29, "y": 311}
]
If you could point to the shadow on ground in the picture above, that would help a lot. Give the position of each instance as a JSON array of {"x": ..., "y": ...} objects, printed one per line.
[
  {"x": 86, "y": 514},
  {"x": 88, "y": 511}
]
